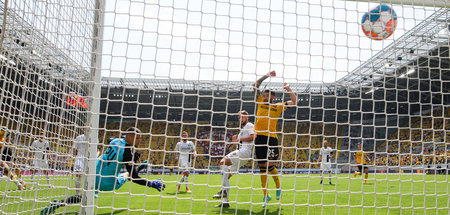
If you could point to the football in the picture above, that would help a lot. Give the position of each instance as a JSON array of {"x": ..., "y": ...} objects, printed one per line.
[{"x": 379, "y": 23}]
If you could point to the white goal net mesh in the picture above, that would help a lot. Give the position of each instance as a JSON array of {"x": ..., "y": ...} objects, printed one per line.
[{"x": 158, "y": 88}]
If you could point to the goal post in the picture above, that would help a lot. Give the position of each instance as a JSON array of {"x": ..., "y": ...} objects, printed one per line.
[{"x": 88, "y": 204}]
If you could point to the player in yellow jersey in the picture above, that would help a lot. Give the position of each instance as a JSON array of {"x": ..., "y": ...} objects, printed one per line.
[
  {"x": 8, "y": 159},
  {"x": 362, "y": 160},
  {"x": 266, "y": 142}
]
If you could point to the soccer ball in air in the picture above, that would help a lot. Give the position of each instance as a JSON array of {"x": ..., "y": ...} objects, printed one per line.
[{"x": 380, "y": 22}]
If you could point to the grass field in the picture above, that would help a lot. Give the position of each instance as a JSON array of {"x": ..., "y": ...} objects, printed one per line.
[{"x": 302, "y": 194}]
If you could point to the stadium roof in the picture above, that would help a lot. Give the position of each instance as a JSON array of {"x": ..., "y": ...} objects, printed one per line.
[
  {"x": 178, "y": 84},
  {"x": 22, "y": 41},
  {"x": 418, "y": 42}
]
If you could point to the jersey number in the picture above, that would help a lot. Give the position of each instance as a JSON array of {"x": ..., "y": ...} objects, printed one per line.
[
  {"x": 110, "y": 154},
  {"x": 271, "y": 153}
]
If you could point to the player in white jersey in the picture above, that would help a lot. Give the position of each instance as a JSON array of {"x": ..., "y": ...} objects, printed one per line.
[
  {"x": 41, "y": 149},
  {"x": 184, "y": 150},
  {"x": 325, "y": 159},
  {"x": 231, "y": 163},
  {"x": 78, "y": 150}
]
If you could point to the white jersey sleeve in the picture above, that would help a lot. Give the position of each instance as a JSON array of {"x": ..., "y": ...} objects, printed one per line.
[{"x": 177, "y": 147}]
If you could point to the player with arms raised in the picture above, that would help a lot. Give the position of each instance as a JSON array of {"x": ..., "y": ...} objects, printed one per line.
[
  {"x": 119, "y": 153},
  {"x": 325, "y": 159},
  {"x": 266, "y": 142},
  {"x": 361, "y": 159},
  {"x": 234, "y": 160},
  {"x": 184, "y": 150}
]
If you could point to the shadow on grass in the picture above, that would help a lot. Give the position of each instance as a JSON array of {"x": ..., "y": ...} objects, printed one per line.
[
  {"x": 174, "y": 193},
  {"x": 273, "y": 211},
  {"x": 232, "y": 211},
  {"x": 113, "y": 212}
]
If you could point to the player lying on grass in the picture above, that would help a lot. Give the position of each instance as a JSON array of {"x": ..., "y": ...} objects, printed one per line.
[
  {"x": 234, "y": 160},
  {"x": 6, "y": 170},
  {"x": 8, "y": 160},
  {"x": 119, "y": 153}
]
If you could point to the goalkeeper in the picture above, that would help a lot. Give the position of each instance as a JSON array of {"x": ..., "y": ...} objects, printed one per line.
[{"x": 118, "y": 154}]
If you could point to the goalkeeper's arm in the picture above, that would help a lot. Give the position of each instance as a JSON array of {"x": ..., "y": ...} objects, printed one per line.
[
  {"x": 134, "y": 174},
  {"x": 135, "y": 178}
]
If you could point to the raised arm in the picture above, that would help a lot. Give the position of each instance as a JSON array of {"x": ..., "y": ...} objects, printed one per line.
[
  {"x": 320, "y": 156},
  {"x": 293, "y": 100},
  {"x": 177, "y": 151},
  {"x": 259, "y": 81}
]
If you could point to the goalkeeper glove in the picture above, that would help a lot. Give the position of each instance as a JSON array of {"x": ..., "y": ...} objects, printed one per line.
[{"x": 157, "y": 184}]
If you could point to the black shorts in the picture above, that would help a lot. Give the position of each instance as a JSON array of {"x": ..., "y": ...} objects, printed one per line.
[
  {"x": 360, "y": 168},
  {"x": 266, "y": 148},
  {"x": 6, "y": 154}
]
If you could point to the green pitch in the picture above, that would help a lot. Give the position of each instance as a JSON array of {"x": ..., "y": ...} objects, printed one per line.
[{"x": 302, "y": 194}]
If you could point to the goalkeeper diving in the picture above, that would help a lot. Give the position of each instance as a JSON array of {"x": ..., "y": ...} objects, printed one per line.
[{"x": 119, "y": 153}]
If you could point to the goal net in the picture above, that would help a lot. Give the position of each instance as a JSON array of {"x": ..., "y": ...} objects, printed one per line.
[{"x": 89, "y": 84}]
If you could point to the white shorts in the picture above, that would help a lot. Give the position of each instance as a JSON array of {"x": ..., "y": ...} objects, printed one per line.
[
  {"x": 325, "y": 167},
  {"x": 184, "y": 165},
  {"x": 238, "y": 158},
  {"x": 78, "y": 165},
  {"x": 40, "y": 164}
]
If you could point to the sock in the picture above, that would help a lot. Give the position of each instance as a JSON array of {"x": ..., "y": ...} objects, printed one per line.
[
  {"x": 48, "y": 178},
  {"x": 263, "y": 172},
  {"x": 72, "y": 199},
  {"x": 225, "y": 182},
  {"x": 18, "y": 173},
  {"x": 32, "y": 177},
  {"x": 12, "y": 176},
  {"x": 224, "y": 175},
  {"x": 321, "y": 176},
  {"x": 274, "y": 172},
  {"x": 186, "y": 180},
  {"x": 366, "y": 176},
  {"x": 329, "y": 176},
  {"x": 78, "y": 185},
  {"x": 358, "y": 173}
]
